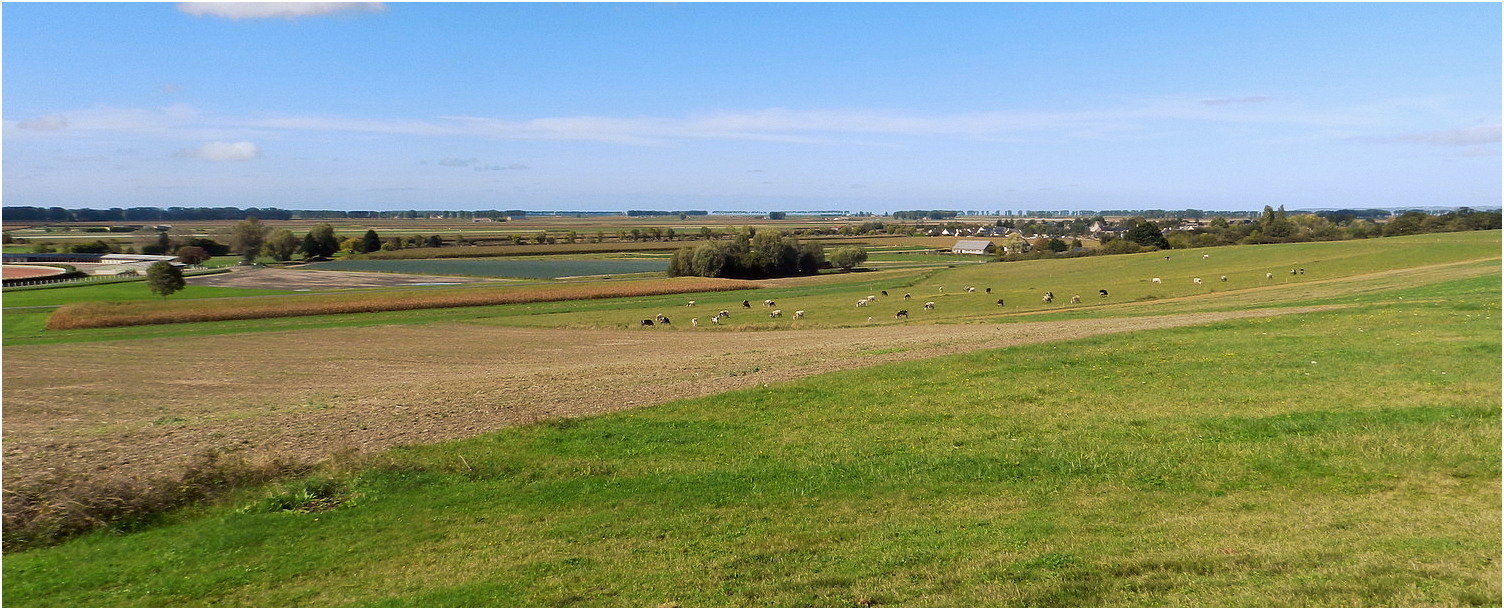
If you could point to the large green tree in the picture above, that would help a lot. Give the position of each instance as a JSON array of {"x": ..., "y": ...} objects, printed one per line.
[
  {"x": 163, "y": 278},
  {"x": 370, "y": 242},
  {"x": 1147, "y": 233},
  {"x": 281, "y": 244},
  {"x": 321, "y": 242},
  {"x": 848, "y": 257},
  {"x": 247, "y": 237}
]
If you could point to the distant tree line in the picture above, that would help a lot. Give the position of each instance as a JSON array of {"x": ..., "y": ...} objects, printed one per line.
[
  {"x": 925, "y": 214},
  {"x": 153, "y": 214},
  {"x": 763, "y": 254},
  {"x": 680, "y": 213}
]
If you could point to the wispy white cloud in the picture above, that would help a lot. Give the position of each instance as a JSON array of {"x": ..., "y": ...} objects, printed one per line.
[
  {"x": 1466, "y": 136},
  {"x": 51, "y": 122},
  {"x": 276, "y": 10},
  {"x": 866, "y": 127},
  {"x": 222, "y": 151},
  {"x": 1252, "y": 99}
]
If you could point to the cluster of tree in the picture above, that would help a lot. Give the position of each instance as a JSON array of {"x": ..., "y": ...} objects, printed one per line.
[
  {"x": 762, "y": 255},
  {"x": 925, "y": 214}
]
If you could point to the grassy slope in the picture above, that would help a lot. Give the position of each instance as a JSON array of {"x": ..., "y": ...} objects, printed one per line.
[{"x": 1344, "y": 458}]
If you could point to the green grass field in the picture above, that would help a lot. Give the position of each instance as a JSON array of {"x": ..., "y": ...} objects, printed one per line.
[{"x": 1348, "y": 457}]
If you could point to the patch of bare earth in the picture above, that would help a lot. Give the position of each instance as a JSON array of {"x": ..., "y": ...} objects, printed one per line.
[{"x": 146, "y": 407}]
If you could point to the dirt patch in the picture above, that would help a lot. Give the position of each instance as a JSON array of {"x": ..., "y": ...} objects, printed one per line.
[
  {"x": 146, "y": 407},
  {"x": 310, "y": 279}
]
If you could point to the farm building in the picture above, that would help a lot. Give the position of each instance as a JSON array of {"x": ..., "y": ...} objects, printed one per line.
[
  {"x": 60, "y": 257},
  {"x": 974, "y": 246}
]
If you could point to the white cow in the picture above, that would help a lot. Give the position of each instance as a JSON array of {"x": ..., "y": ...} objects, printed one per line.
[
  {"x": 1196, "y": 281},
  {"x": 1156, "y": 281},
  {"x": 690, "y": 304},
  {"x": 799, "y": 314},
  {"x": 929, "y": 305},
  {"x": 776, "y": 313}
]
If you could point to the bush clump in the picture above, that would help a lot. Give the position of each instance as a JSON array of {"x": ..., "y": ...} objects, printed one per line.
[{"x": 763, "y": 255}]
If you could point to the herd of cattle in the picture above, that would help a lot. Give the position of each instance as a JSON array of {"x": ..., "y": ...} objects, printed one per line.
[{"x": 903, "y": 314}]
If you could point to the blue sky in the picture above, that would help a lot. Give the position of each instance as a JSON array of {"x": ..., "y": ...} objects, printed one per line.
[{"x": 751, "y": 106}]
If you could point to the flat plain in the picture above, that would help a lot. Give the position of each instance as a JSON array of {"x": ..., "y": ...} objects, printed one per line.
[{"x": 1322, "y": 438}]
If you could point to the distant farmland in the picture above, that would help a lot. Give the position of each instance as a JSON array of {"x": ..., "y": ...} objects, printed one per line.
[{"x": 524, "y": 268}]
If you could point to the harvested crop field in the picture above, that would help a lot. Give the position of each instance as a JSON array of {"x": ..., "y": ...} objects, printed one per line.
[{"x": 145, "y": 408}]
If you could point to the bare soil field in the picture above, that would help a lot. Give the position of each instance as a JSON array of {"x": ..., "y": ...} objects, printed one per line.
[
  {"x": 309, "y": 279},
  {"x": 145, "y": 408}
]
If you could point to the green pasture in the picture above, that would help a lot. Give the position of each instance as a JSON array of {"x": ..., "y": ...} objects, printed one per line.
[
  {"x": 1345, "y": 458},
  {"x": 1333, "y": 270}
]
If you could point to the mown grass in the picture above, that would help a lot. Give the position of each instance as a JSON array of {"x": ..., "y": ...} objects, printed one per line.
[{"x": 1341, "y": 458}]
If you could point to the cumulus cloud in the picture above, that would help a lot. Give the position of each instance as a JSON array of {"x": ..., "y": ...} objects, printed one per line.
[
  {"x": 1466, "y": 136},
  {"x": 276, "y": 10},
  {"x": 51, "y": 122},
  {"x": 222, "y": 151}
]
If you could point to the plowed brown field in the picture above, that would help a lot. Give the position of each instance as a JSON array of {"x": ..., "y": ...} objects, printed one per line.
[{"x": 145, "y": 407}]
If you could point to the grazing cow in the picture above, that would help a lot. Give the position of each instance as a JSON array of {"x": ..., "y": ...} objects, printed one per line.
[
  {"x": 1075, "y": 298},
  {"x": 1205, "y": 256},
  {"x": 1102, "y": 292},
  {"x": 663, "y": 320},
  {"x": 1268, "y": 276},
  {"x": 907, "y": 295},
  {"x": 769, "y": 303},
  {"x": 690, "y": 304},
  {"x": 695, "y": 322},
  {"x": 777, "y": 313},
  {"x": 1196, "y": 281},
  {"x": 715, "y": 320},
  {"x": 902, "y": 313},
  {"x": 724, "y": 314},
  {"x": 646, "y": 323},
  {"x": 746, "y": 305},
  {"x": 1302, "y": 270},
  {"x": 930, "y": 305},
  {"x": 885, "y": 293},
  {"x": 1292, "y": 272},
  {"x": 999, "y": 302},
  {"x": 1224, "y": 278},
  {"x": 1155, "y": 281},
  {"x": 862, "y": 302},
  {"x": 971, "y": 289},
  {"x": 799, "y": 314},
  {"x": 869, "y": 319},
  {"x": 989, "y": 291},
  {"x": 942, "y": 288},
  {"x": 1048, "y": 298},
  {"x": 1167, "y": 258}
]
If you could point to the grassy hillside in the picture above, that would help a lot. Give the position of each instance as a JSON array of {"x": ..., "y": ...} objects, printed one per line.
[{"x": 1343, "y": 458}]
